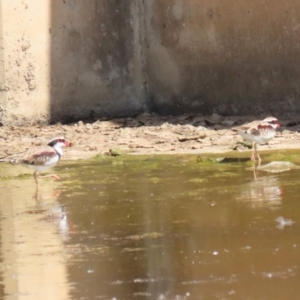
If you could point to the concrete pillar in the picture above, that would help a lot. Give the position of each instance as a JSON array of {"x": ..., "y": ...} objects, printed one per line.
[
  {"x": 25, "y": 61},
  {"x": 70, "y": 59}
]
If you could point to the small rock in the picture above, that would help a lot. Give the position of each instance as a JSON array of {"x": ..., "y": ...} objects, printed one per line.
[
  {"x": 38, "y": 143},
  {"x": 213, "y": 119},
  {"x": 114, "y": 152},
  {"x": 218, "y": 127},
  {"x": 278, "y": 166},
  {"x": 93, "y": 148},
  {"x": 227, "y": 123}
]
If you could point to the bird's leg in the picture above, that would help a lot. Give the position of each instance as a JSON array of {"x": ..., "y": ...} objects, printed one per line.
[
  {"x": 36, "y": 194},
  {"x": 259, "y": 160},
  {"x": 35, "y": 178},
  {"x": 257, "y": 155},
  {"x": 254, "y": 173},
  {"x": 50, "y": 175},
  {"x": 253, "y": 151}
]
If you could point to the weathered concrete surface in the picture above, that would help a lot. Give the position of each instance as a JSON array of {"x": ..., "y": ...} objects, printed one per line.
[
  {"x": 24, "y": 65},
  {"x": 230, "y": 58},
  {"x": 72, "y": 59},
  {"x": 96, "y": 55},
  {"x": 2, "y": 74}
]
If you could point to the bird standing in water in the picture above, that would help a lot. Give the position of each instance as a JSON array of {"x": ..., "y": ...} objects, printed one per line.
[
  {"x": 40, "y": 158},
  {"x": 258, "y": 132}
]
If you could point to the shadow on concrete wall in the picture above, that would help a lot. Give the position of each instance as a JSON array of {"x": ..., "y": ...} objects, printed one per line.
[
  {"x": 96, "y": 67},
  {"x": 214, "y": 57},
  {"x": 115, "y": 58}
]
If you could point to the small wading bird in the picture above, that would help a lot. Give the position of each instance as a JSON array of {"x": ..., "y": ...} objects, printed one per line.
[
  {"x": 40, "y": 158},
  {"x": 258, "y": 132}
]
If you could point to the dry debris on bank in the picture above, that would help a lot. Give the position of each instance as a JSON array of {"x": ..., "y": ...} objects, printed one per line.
[{"x": 145, "y": 134}]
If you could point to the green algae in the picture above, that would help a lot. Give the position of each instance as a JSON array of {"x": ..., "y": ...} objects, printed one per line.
[
  {"x": 115, "y": 152},
  {"x": 144, "y": 165},
  {"x": 19, "y": 177}
]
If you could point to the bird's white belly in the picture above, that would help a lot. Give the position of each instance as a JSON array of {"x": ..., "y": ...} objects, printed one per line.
[
  {"x": 258, "y": 139},
  {"x": 40, "y": 168}
]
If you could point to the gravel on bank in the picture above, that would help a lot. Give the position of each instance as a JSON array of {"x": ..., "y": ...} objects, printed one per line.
[{"x": 145, "y": 134}]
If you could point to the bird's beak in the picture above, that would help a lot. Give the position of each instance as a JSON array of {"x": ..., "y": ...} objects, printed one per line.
[{"x": 67, "y": 144}]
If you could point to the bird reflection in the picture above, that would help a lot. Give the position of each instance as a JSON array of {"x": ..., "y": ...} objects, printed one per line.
[
  {"x": 35, "y": 232},
  {"x": 255, "y": 173},
  {"x": 36, "y": 194},
  {"x": 51, "y": 210},
  {"x": 39, "y": 197},
  {"x": 264, "y": 190}
]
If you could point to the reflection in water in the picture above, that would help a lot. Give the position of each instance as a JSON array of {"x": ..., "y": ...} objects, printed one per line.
[
  {"x": 152, "y": 228},
  {"x": 262, "y": 191},
  {"x": 283, "y": 222},
  {"x": 32, "y": 250}
]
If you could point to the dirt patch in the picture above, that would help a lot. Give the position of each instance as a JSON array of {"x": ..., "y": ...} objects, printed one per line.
[{"x": 145, "y": 134}]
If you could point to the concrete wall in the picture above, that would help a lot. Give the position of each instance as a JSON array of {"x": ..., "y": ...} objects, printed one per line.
[
  {"x": 25, "y": 61},
  {"x": 239, "y": 57},
  {"x": 2, "y": 75},
  {"x": 73, "y": 59},
  {"x": 97, "y": 62},
  {"x": 70, "y": 59}
]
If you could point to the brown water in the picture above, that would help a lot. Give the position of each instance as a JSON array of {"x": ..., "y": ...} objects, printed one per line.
[{"x": 150, "y": 228}]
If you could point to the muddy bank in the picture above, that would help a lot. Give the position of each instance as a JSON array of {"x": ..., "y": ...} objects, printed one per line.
[{"x": 146, "y": 134}]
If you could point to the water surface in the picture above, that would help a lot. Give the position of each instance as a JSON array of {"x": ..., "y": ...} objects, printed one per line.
[{"x": 151, "y": 227}]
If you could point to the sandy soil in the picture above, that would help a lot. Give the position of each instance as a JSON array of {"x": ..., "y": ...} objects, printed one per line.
[{"x": 145, "y": 134}]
